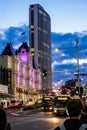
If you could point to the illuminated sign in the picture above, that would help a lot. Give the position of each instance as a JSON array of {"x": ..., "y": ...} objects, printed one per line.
[
  {"x": 62, "y": 98},
  {"x": 47, "y": 98},
  {"x": 76, "y": 97}
]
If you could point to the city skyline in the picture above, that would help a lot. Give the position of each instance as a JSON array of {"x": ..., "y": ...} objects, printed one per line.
[
  {"x": 66, "y": 15},
  {"x": 61, "y": 60}
]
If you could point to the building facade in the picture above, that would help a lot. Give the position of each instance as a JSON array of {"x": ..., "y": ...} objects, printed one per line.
[
  {"x": 22, "y": 80},
  {"x": 40, "y": 41}
]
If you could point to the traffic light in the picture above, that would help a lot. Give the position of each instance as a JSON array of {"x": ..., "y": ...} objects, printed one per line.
[
  {"x": 44, "y": 73},
  {"x": 79, "y": 90}
]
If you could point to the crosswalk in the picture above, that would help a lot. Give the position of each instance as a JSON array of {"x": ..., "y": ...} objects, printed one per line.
[{"x": 31, "y": 114}]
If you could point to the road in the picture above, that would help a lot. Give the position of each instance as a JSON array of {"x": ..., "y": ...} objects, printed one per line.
[{"x": 34, "y": 120}]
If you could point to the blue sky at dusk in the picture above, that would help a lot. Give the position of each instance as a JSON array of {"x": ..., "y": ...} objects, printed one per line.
[
  {"x": 68, "y": 22},
  {"x": 66, "y": 15}
]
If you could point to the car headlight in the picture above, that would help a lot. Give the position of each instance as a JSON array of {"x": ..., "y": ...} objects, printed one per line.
[
  {"x": 55, "y": 110},
  {"x": 50, "y": 108}
]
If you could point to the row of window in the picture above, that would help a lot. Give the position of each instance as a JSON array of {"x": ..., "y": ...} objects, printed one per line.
[{"x": 5, "y": 76}]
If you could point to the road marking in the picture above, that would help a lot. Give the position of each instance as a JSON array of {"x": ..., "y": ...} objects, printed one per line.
[{"x": 15, "y": 114}]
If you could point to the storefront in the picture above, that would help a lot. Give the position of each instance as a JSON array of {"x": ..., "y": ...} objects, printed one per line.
[{"x": 4, "y": 96}]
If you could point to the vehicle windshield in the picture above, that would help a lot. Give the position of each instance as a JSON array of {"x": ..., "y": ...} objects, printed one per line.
[
  {"x": 61, "y": 101},
  {"x": 47, "y": 101}
]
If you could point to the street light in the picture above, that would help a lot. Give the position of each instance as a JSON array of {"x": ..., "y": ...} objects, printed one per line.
[
  {"x": 77, "y": 59},
  {"x": 78, "y": 69}
]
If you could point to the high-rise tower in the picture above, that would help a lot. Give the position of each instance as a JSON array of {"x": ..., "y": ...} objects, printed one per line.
[{"x": 40, "y": 41}]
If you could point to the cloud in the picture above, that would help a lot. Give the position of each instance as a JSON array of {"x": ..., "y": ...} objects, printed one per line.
[
  {"x": 2, "y": 34},
  {"x": 62, "y": 59},
  {"x": 70, "y": 61}
]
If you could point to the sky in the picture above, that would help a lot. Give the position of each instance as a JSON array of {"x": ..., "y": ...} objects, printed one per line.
[
  {"x": 66, "y": 15},
  {"x": 68, "y": 21}
]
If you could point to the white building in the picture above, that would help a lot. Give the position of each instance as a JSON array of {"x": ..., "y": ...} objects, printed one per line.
[{"x": 24, "y": 82}]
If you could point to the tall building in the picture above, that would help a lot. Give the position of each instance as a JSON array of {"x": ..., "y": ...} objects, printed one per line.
[{"x": 40, "y": 41}]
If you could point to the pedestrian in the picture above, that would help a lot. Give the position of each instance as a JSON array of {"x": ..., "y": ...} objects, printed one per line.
[
  {"x": 75, "y": 110},
  {"x": 84, "y": 117},
  {"x": 2, "y": 104},
  {"x": 7, "y": 104},
  {"x": 4, "y": 125}
]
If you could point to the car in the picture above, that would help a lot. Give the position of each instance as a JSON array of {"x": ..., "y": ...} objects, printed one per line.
[{"x": 14, "y": 103}]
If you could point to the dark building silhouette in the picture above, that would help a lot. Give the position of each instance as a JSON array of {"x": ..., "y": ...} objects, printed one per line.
[
  {"x": 6, "y": 73},
  {"x": 8, "y": 50}
]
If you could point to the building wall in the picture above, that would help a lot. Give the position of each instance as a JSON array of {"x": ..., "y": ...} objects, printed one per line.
[
  {"x": 6, "y": 61},
  {"x": 3, "y": 88},
  {"x": 24, "y": 86},
  {"x": 40, "y": 40}
]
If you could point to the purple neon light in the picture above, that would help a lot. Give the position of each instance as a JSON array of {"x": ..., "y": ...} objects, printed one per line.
[{"x": 24, "y": 56}]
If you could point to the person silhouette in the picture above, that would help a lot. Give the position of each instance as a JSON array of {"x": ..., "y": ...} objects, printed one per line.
[
  {"x": 4, "y": 125},
  {"x": 74, "y": 122}
]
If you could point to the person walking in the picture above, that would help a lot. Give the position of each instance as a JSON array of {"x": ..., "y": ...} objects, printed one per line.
[
  {"x": 4, "y": 125},
  {"x": 75, "y": 110}
]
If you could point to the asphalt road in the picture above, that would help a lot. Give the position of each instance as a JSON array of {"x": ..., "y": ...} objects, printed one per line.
[{"x": 34, "y": 120}]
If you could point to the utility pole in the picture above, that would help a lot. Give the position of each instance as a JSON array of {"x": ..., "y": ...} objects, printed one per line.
[{"x": 78, "y": 69}]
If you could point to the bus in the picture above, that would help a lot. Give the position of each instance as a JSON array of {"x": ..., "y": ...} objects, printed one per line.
[
  {"x": 48, "y": 103},
  {"x": 60, "y": 104}
]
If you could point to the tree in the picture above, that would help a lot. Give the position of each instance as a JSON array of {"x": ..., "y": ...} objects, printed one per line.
[{"x": 70, "y": 83}]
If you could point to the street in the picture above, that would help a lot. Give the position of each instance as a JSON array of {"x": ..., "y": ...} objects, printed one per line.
[{"x": 34, "y": 120}]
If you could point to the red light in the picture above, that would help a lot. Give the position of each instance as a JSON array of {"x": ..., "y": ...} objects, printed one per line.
[
  {"x": 49, "y": 102},
  {"x": 85, "y": 103},
  {"x": 58, "y": 88}
]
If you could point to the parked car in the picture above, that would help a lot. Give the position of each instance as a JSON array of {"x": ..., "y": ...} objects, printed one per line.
[{"x": 14, "y": 103}]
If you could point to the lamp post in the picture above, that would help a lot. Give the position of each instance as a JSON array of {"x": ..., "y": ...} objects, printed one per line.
[
  {"x": 78, "y": 84},
  {"x": 78, "y": 69}
]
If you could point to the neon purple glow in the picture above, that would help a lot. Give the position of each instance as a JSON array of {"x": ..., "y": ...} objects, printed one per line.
[
  {"x": 18, "y": 80},
  {"x": 23, "y": 71},
  {"x": 31, "y": 83},
  {"x": 24, "y": 56},
  {"x": 38, "y": 76},
  {"x": 39, "y": 80},
  {"x": 24, "y": 82},
  {"x": 31, "y": 75},
  {"x": 39, "y": 86},
  {"x": 24, "y": 75}
]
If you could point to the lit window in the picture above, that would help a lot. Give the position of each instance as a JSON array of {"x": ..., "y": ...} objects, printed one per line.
[
  {"x": 44, "y": 14},
  {"x": 32, "y": 26},
  {"x": 32, "y": 31},
  {"x": 40, "y": 11}
]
